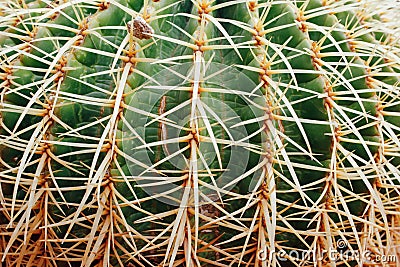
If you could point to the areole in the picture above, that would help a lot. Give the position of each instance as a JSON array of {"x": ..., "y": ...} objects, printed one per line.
[{"x": 199, "y": 133}]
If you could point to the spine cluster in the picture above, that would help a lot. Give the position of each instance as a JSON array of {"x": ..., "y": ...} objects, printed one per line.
[{"x": 199, "y": 133}]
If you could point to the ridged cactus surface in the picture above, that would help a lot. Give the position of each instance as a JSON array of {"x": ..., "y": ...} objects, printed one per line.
[{"x": 199, "y": 133}]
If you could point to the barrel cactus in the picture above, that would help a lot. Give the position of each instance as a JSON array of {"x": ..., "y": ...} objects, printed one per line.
[{"x": 199, "y": 133}]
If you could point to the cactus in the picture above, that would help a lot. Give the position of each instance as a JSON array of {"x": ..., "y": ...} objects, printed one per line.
[{"x": 199, "y": 133}]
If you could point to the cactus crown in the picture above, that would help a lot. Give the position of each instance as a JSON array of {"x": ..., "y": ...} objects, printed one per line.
[{"x": 199, "y": 133}]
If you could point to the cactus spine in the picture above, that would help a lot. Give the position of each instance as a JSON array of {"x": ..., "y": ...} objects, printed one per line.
[{"x": 199, "y": 133}]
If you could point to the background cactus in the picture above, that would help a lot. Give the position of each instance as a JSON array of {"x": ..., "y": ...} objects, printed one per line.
[{"x": 199, "y": 133}]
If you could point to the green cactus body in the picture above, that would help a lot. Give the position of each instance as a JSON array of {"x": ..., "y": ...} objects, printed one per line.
[{"x": 198, "y": 133}]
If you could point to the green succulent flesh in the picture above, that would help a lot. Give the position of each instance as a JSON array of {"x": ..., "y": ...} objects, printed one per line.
[{"x": 198, "y": 133}]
